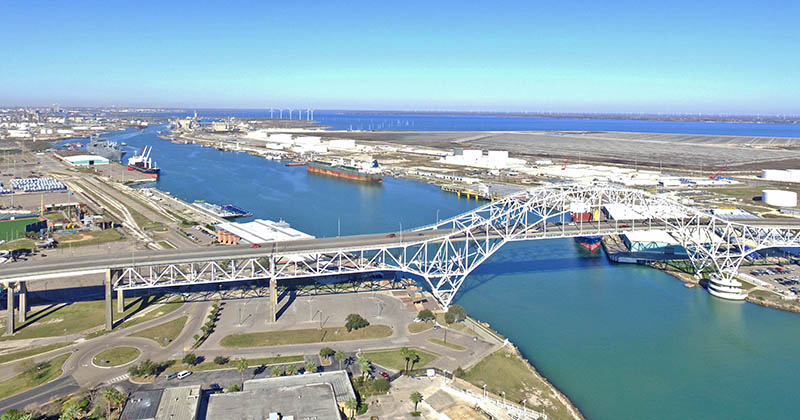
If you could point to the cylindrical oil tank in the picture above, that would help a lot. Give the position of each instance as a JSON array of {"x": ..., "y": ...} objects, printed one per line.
[{"x": 779, "y": 198}]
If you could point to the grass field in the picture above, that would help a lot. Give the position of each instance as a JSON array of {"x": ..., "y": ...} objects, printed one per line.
[
  {"x": 10, "y": 357},
  {"x": 88, "y": 238},
  {"x": 14, "y": 229},
  {"x": 49, "y": 370},
  {"x": 418, "y": 327},
  {"x": 452, "y": 346},
  {"x": 392, "y": 359},
  {"x": 505, "y": 371},
  {"x": 210, "y": 365},
  {"x": 168, "y": 330},
  {"x": 116, "y": 356},
  {"x": 458, "y": 326},
  {"x": 311, "y": 335},
  {"x": 18, "y": 244},
  {"x": 69, "y": 318}
]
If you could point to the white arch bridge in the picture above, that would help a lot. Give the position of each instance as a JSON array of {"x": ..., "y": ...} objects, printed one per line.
[{"x": 444, "y": 253}]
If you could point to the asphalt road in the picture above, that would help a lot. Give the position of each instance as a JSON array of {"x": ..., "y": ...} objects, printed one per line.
[{"x": 41, "y": 395}]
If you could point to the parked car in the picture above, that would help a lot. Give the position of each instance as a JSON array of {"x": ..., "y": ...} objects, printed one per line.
[
  {"x": 184, "y": 373},
  {"x": 171, "y": 375}
]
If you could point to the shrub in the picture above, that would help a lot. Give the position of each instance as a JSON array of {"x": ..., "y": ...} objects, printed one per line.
[
  {"x": 235, "y": 388},
  {"x": 220, "y": 360},
  {"x": 455, "y": 313},
  {"x": 326, "y": 352},
  {"x": 354, "y": 322},
  {"x": 189, "y": 359},
  {"x": 380, "y": 385},
  {"x": 426, "y": 315}
]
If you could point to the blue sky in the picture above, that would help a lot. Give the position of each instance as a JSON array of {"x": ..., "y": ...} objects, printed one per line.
[{"x": 732, "y": 56}]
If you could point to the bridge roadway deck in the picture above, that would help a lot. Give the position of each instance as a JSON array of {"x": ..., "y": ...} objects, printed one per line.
[{"x": 60, "y": 267}]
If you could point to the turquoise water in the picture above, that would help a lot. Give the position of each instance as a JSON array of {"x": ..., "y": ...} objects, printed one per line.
[{"x": 621, "y": 341}]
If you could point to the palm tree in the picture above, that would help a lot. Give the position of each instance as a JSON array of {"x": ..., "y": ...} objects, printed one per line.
[
  {"x": 71, "y": 412},
  {"x": 413, "y": 357},
  {"x": 416, "y": 398},
  {"x": 406, "y": 353},
  {"x": 291, "y": 369},
  {"x": 277, "y": 370},
  {"x": 241, "y": 365},
  {"x": 339, "y": 356},
  {"x": 364, "y": 365},
  {"x": 351, "y": 405},
  {"x": 112, "y": 396},
  {"x": 311, "y": 367}
]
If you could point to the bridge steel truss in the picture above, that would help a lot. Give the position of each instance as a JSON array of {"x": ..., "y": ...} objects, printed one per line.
[{"x": 467, "y": 240}]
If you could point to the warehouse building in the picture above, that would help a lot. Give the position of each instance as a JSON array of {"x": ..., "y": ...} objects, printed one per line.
[{"x": 85, "y": 160}]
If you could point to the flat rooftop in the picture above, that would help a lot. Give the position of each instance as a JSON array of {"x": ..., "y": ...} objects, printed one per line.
[
  {"x": 338, "y": 380},
  {"x": 315, "y": 401},
  {"x": 142, "y": 405},
  {"x": 180, "y": 403},
  {"x": 261, "y": 231}
]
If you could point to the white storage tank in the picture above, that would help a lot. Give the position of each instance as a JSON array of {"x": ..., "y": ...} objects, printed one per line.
[
  {"x": 794, "y": 175},
  {"x": 779, "y": 198},
  {"x": 775, "y": 174}
]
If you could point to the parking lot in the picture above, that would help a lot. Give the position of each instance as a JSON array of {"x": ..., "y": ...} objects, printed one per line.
[{"x": 784, "y": 279}]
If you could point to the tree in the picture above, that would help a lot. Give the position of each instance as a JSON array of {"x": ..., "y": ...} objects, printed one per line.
[
  {"x": 380, "y": 385},
  {"x": 310, "y": 367},
  {"x": 190, "y": 359},
  {"x": 459, "y": 373},
  {"x": 112, "y": 397},
  {"x": 416, "y": 398},
  {"x": 426, "y": 315},
  {"x": 291, "y": 369},
  {"x": 220, "y": 360},
  {"x": 455, "y": 313},
  {"x": 15, "y": 414},
  {"x": 351, "y": 404},
  {"x": 365, "y": 365},
  {"x": 277, "y": 371},
  {"x": 241, "y": 365},
  {"x": 71, "y": 412},
  {"x": 326, "y": 352},
  {"x": 354, "y": 322},
  {"x": 413, "y": 357},
  {"x": 235, "y": 388},
  {"x": 340, "y": 356},
  {"x": 406, "y": 353}
]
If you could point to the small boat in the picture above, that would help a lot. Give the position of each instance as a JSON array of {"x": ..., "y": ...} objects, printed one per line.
[{"x": 296, "y": 164}]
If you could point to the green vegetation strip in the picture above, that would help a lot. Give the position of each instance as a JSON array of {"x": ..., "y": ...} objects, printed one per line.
[
  {"x": 165, "y": 333},
  {"x": 210, "y": 365},
  {"x": 18, "y": 244},
  {"x": 33, "y": 375},
  {"x": 418, "y": 327},
  {"x": 505, "y": 371},
  {"x": 311, "y": 335},
  {"x": 393, "y": 359},
  {"x": 31, "y": 352},
  {"x": 13, "y": 229},
  {"x": 88, "y": 238},
  {"x": 440, "y": 342},
  {"x": 116, "y": 356}
]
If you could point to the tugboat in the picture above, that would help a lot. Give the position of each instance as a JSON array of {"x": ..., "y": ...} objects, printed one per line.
[{"x": 141, "y": 162}]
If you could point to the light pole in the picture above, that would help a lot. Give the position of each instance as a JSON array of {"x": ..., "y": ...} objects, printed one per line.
[
  {"x": 437, "y": 216},
  {"x": 339, "y": 226},
  {"x": 401, "y": 230},
  {"x": 484, "y": 391},
  {"x": 504, "y": 398}
]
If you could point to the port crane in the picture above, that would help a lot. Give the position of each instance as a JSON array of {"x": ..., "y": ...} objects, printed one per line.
[{"x": 716, "y": 174}]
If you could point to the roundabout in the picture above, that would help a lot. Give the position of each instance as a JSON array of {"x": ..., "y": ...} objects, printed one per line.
[{"x": 115, "y": 357}]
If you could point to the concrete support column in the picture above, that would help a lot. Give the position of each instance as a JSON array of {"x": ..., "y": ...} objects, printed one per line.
[
  {"x": 109, "y": 306},
  {"x": 120, "y": 300},
  {"x": 10, "y": 322},
  {"x": 273, "y": 292},
  {"x": 23, "y": 302}
]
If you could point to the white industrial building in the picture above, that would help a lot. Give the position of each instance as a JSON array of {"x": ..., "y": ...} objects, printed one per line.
[
  {"x": 261, "y": 231},
  {"x": 86, "y": 160},
  {"x": 494, "y": 159},
  {"x": 779, "y": 198},
  {"x": 342, "y": 144},
  {"x": 783, "y": 175}
]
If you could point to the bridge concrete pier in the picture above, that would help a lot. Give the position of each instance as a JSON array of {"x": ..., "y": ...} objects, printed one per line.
[
  {"x": 23, "y": 302},
  {"x": 109, "y": 283},
  {"x": 10, "y": 310},
  {"x": 120, "y": 300},
  {"x": 273, "y": 292}
]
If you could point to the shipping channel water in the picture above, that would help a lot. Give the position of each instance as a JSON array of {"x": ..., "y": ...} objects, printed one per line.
[{"x": 622, "y": 341}]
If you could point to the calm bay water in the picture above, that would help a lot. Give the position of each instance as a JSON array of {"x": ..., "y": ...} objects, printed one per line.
[{"x": 621, "y": 341}]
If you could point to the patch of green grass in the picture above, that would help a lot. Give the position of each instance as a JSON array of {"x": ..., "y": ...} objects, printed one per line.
[
  {"x": 210, "y": 365},
  {"x": 505, "y": 371},
  {"x": 168, "y": 330},
  {"x": 418, "y": 327},
  {"x": 452, "y": 346},
  {"x": 160, "y": 309},
  {"x": 458, "y": 326},
  {"x": 304, "y": 336},
  {"x": 88, "y": 238},
  {"x": 15, "y": 229},
  {"x": 41, "y": 373},
  {"x": 393, "y": 359},
  {"x": 10, "y": 357},
  {"x": 116, "y": 356},
  {"x": 55, "y": 215},
  {"x": 70, "y": 318},
  {"x": 18, "y": 244}
]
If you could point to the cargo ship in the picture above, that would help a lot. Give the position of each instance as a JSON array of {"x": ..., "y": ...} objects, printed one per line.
[
  {"x": 143, "y": 163},
  {"x": 589, "y": 242},
  {"x": 108, "y": 149},
  {"x": 356, "y": 171}
]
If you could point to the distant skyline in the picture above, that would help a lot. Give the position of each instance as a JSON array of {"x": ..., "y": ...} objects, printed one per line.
[{"x": 734, "y": 57}]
